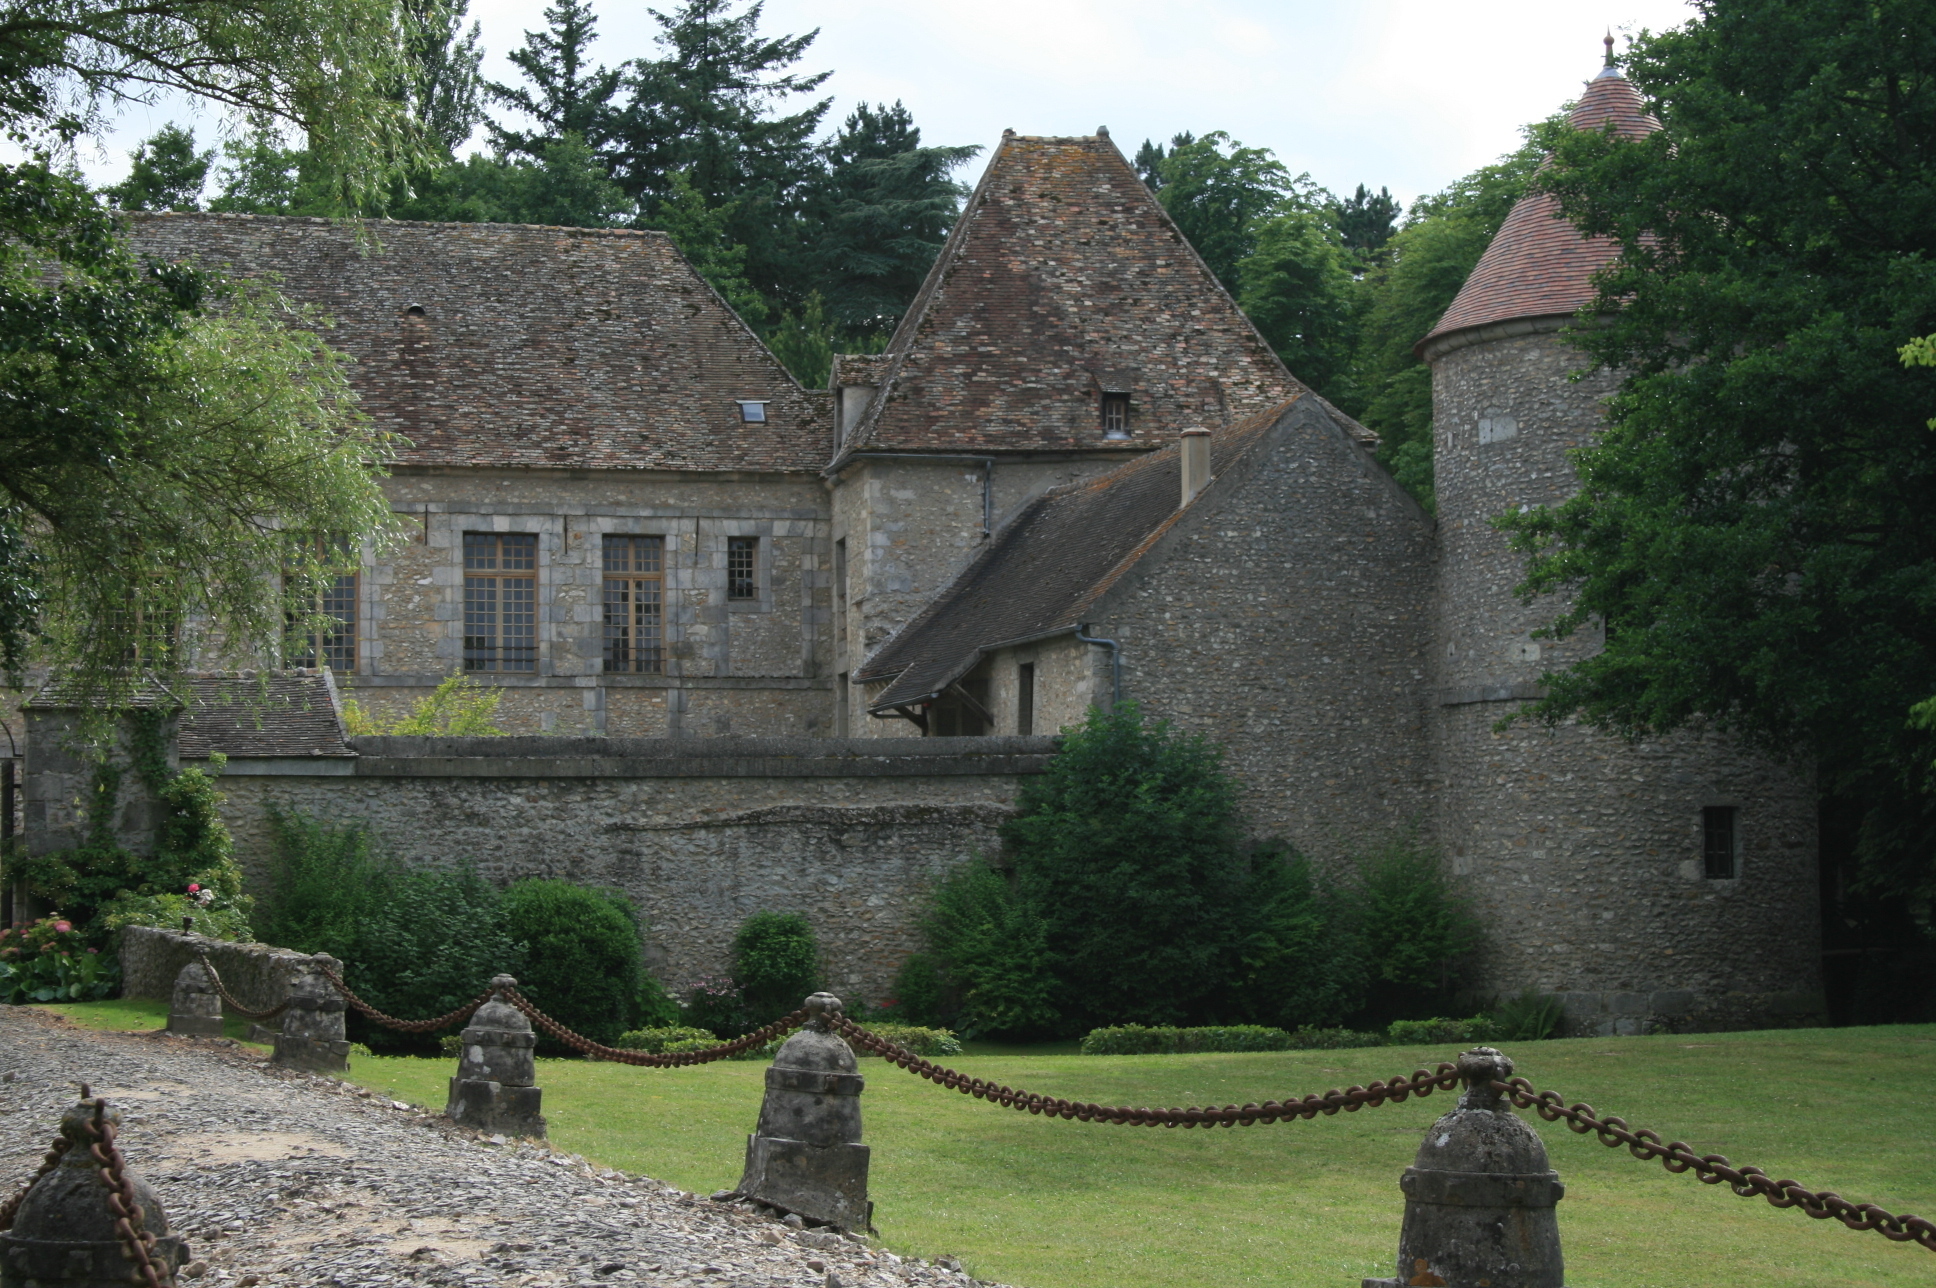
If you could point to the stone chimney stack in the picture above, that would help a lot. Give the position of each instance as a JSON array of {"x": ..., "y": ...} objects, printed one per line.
[{"x": 1196, "y": 462}]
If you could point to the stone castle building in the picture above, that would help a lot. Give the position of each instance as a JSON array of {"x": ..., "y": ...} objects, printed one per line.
[{"x": 1077, "y": 474}]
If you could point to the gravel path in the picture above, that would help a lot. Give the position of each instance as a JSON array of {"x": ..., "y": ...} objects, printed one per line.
[{"x": 281, "y": 1178}]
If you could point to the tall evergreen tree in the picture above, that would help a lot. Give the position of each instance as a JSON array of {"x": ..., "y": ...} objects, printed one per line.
[
  {"x": 441, "y": 85},
  {"x": 1366, "y": 222},
  {"x": 167, "y": 174},
  {"x": 1149, "y": 162},
  {"x": 880, "y": 215},
  {"x": 708, "y": 110},
  {"x": 566, "y": 94}
]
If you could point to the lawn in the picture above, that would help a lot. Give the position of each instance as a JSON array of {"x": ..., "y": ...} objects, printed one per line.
[{"x": 1052, "y": 1204}]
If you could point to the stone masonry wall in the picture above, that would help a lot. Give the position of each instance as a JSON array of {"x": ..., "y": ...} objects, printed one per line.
[
  {"x": 1287, "y": 620},
  {"x": 699, "y": 833},
  {"x": 1585, "y": 852},
  {"x": 257, "y": 974}
]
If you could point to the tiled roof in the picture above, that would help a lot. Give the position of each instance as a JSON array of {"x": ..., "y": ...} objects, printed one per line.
[
  {"x": 857, "y": 369},
  {"x": 548, "y": 347},
  {"x": 1539, "y": 265},
  {"x": 1064, "y": 278},
  {"x": 285, "y": 715},
  {"x": 1048, "y": 568}
]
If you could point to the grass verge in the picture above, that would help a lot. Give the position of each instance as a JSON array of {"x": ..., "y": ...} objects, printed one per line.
[{"x": 1053, "y": 1204}]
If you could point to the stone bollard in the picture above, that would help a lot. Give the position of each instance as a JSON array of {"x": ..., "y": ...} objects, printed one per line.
[
  {"x": 195, "y": 1008},
  {"x": 806, "y": 1157},
  {"x": 493, "y": 1090},
  {"x": 312, "y": 1028},
  {"x": 1479, "y": 1198},
  {"x": 63, "y": 1232}
]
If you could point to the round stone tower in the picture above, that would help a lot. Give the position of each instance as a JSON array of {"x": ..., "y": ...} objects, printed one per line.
[{"x": 1668, "y": 885}]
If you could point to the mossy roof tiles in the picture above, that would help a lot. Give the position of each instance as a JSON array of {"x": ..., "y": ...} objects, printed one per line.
[
  {"x": 1046, "y": 570},
  {"x": 1538, "y": 264},
  {"x": 1063, "y": 278},
  {"x": 542, "y": 347}
]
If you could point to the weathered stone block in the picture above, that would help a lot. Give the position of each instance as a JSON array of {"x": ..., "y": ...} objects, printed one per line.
[
  {"x": 195, "y": 1009},
  {"x": 312, "y": 1028},
  {"x": 806, "y": 1157},
  {"x": 493, "y": 1089}
]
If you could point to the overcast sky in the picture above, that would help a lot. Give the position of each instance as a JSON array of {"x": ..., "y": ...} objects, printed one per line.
[{"x": 1405, "y": 93}]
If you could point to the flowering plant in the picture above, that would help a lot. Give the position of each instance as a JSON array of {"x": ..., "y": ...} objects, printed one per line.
[{"x": 46, "y": 961}]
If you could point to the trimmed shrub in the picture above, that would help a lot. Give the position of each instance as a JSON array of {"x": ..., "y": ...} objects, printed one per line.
[
  {"x": 1135, "y": 1039},
  {"x": 1312, "y": 1039},
  {"x": 1531, "y": 1017},
  {"x": 776, "y": 963},
  {"x": 654, "y": 1006},
  {"x": 583, "y": 962},
  {"x": 713, "y": 1004},
  {"x": 916, "y": 1038},
  {"x": 1299, "y": 959},
  {"x": 1431, "y": 1032},
  {"x": 996, "y": 977},
  {"x": 1417, "y": 924},
  {"x": 48, "y": 961},
  {"x": 658, "y": 1040}
]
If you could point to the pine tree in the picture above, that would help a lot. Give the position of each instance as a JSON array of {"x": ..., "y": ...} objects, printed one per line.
[
  {"x": 167, "y": 174},
  {"x": 441, "y": 82},
  {"x": 706, "y": 111},
  {"x": 881, "y": 213},
  {"x": 703, "y": 235},
  {"x": 1149, "y": 163},
  {"x": 1366, "y": 222},
  {"x": 566, "y": 94}
]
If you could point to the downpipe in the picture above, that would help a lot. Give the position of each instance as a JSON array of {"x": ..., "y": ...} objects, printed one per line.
[{"x": 1115, "y": 663}]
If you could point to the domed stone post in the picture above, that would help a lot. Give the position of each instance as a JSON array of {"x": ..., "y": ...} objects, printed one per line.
[
  {"x": 806, "y": 1157},
  {"x": 1479, "y": 1198},
  {"x": 195, "y": 1008},
  {"x": 496, "y": 1071},
  {"x": 63, "y": 1232},
  {"x": 312, "y": 1028}
]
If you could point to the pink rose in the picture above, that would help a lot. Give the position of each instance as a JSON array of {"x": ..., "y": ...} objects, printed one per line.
[
  {"x": 192, "y": 887},
  {"x": 63, "y": 927}
]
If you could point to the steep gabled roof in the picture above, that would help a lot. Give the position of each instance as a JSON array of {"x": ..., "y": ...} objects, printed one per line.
[
  {"x": 511, "y": 345},
  {"x": 1047, "y": 569},
  {"x": 1538, "y": 264},
  {"x": 293, "y": 714},
  {"x": 1063, "y": 278}
]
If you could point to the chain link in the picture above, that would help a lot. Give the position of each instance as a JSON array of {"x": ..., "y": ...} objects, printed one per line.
[
  {"x": 1350, "y": 1100},
  {"x": 136, "y": 1243},
  {"x": 463, "y": 1012},
  {"x": 54, "y": 1153},
  {"x": 222, "y": 990},
  {"x": 646, "y": 1059},
  {"x": 1714, "y": 1169}
]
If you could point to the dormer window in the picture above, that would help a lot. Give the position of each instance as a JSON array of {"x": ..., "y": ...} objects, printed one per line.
[
  {"x": 1115, "y": 415},
  {"x": 752, "y": 411}
]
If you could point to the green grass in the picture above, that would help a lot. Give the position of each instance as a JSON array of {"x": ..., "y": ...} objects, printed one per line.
[
  {"x": 1052, "y": 1204},
  {"x": 135, "y": 1015}
]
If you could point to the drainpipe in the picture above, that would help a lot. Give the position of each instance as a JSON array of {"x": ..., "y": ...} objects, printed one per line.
[
  {"x": 987, "y": 464},
  {"x": 1115, "y": 662}
]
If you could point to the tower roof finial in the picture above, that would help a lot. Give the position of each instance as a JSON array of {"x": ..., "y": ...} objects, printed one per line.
[{"x": 1608, "y": 42}]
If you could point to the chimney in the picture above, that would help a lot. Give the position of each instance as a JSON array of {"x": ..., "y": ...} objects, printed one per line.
[{"x": 1196, "y": 462}]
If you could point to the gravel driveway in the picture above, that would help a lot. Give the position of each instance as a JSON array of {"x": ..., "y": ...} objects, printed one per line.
[{"x": 281, "y": 1178}]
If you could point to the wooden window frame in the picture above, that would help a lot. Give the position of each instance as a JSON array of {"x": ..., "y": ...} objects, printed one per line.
[
  {"x": 500, "y": 583},
  {"x": 750, "y": 581},
  {"x": 1115, "y": 416},
  {"x": 1720, "y": 842},
  {"x": 627, "y": 588}
]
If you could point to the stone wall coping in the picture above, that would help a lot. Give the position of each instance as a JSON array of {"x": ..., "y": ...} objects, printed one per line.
[{"x": 258, "y": 974}]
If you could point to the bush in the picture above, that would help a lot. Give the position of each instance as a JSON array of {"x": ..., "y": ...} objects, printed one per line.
[
  {"x": 655, "y": 1040},
  {"x": 1531, "y": 1017},
  {"x": 776, "y": 964},
  {"x": 916, "y": 1038},
  {"x": 1300, "y": 960},
  {"x": 1432, "y": 1032},
  {"x": 582, "y": 960},
  {"x": 458, "y": 708},
  {"x": 996, "y": 977},
  {"x": 47, "y": 961},
  {"x": 1134, "y": 1039},
  {"x": 1314, "y": 1039},
  {"x": 215, "y": 920},
  {"x": 713, "y": 1004},
  {"x": 1417, "y": 924}
]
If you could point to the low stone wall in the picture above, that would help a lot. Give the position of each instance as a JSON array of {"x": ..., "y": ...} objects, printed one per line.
[
  {"x": 258, "y": 974},
  {"x": 699, "y": 833}
]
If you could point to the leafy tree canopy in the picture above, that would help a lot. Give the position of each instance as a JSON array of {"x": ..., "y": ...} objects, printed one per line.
[
  {"x": 1757, "y": 525},
  {"x": 167, "y": 174}
]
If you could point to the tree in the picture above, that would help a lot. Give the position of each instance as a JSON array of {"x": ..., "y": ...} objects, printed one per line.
[
  {"x": 706, "y": 112},
  {"x": 703, "y": 234},
  {"x": 1219, "y": 191},
  {"x": 1756, "y": 527},
  {"x": 167, "y": 173},
  {"x": 880, "y": 214},
  {"x": 1297, "y": 288},
  {"x": 566, "y": 185},
  {"x": 441, "y": 85},
  {"x": 1366, "y": 222},
  {"x": 1149, "y": 163},
  {"x": 567, "y": 96}
]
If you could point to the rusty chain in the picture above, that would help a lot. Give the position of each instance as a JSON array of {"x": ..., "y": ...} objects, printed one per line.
[
  {"x": 222, "y": 991},
  {"x": 137, "y": 1244},
  {"x": 1714, "y": 1169},
  {"x": 646, "y": 1059},
  {"x": 1350, "y": 1100},
  {"x": 54, "y": 1153},
  {"x": 463, "y": 1012}
]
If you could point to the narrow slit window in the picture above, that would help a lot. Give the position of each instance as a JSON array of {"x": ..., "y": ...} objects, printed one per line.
[
  {"x": 1025, "y": 698},
  {"x": 1115, "y": 415},
  {"x": 742, "y": 568},
  {"x": 635, "y": 604},
  {"x": 500, "y": 601},
  {"x": 1720, "y": 841}
]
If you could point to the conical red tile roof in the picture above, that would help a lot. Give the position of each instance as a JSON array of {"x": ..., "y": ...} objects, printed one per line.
[{"x": 1539, "y": 265}]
